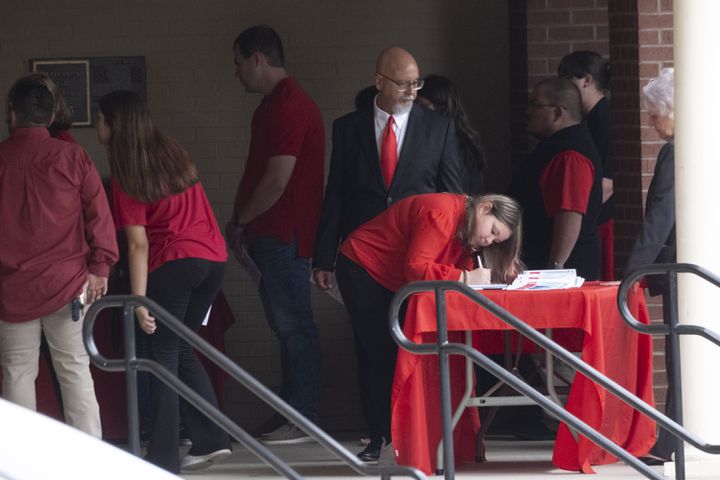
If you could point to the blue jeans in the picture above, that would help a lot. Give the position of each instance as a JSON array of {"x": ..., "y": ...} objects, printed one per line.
[{"x": 285, "y": 294}]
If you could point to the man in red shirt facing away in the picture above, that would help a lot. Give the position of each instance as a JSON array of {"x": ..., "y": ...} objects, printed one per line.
[
  {"x": 559, "y": 187},
  {"x": 276, "y": 213},
  {"x": 57, "y": 243}
]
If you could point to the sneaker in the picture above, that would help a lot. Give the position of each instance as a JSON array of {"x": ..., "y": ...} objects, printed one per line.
[
  {"x": 288, "y": 434},
  {"x": 200, "y": 462},
  {"x": 269, "y": 426},
  {"x": 185, "y": 437}
]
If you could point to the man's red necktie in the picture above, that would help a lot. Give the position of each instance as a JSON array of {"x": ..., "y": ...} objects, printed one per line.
[{"x": 388, "y": 152}]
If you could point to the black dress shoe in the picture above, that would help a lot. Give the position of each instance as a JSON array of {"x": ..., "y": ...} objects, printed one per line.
[
  {"x": 652, "y": 461},
  {"x": 371, "y": 453}
]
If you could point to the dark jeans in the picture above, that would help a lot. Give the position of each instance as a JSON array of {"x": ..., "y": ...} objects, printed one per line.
[
  {"x": 368, "y": 303},
  {"x": 142, "y": 350},
  {"x": 186, "y": 288},
  {"x": 285, "y": 294}
]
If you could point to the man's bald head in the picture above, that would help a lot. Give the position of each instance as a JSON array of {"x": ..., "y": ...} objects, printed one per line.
[
  {"x": 554, "y": 104},
  {"x": 561, "y": 91},
  {"x": 395, "y": 69},
  {"x": 395, "y": 58}
]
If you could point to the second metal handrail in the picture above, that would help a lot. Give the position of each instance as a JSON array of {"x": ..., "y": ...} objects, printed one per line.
[
  {"x": 672, "y": 329},
  {"x": 443, "y": 348},
  {"x": 131, "y": 365}
]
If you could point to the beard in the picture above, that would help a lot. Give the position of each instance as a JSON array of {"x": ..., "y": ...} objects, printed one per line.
[{"x": 404, "y": 104}]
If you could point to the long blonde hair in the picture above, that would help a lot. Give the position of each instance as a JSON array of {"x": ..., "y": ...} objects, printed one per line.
[{"x": 502, "y": 258}]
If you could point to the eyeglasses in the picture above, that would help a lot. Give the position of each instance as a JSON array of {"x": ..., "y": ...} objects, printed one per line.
[{"x": 404, "y": 85}]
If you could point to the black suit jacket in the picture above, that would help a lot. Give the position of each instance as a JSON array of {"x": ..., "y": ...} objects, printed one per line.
[
  {"x": 656, "y": 241},
  {"x": 356, "y": 192}
]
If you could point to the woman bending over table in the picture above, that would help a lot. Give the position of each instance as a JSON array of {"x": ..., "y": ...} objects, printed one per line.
[
  {"x": 439, "y": 236},
  {"x": 176, "y": 256}
]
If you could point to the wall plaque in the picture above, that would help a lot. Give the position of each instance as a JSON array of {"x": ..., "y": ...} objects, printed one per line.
[{"x": 84, "y": 81}]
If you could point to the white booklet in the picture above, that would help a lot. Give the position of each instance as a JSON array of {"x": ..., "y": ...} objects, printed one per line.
[
  {"x": 488, "y": 286},
  {"x": 333, "y": 291}
]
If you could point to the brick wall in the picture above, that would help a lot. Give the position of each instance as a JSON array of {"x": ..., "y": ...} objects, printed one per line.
[
  {"x": 541, "y": 33},
  {"x": 640, "y": 45},
  {"x": 654, "y": 30},
  {"x": 331, "y": 47},
  {"x": 558, "y": 27}
]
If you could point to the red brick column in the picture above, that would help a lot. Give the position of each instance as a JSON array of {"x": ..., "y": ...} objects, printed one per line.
[
  {"x": 637, "y": 35},
  {"x": 518, "y": 52},
  {"x": 541, "y": 32},
  {"x": 558, "y": 27},
  {"x": 641, "y": 43}
]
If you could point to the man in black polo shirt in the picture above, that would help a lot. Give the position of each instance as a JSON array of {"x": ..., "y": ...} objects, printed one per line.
[{"x": 559, "y": 187}]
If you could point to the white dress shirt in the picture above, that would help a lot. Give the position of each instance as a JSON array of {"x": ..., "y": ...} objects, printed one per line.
[{"x": 400, "y": 127}]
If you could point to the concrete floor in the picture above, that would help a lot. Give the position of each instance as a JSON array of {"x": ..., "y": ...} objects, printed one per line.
[{"x": 506, "y": 459}]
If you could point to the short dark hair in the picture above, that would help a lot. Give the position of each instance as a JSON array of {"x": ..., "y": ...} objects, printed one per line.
[
  {"x": 262, "y": 39},
  {"x": 586, "y": 62},
  {"x": 561, "y": 91},
  {"x": 365, "y": 97},
  {"x": 32, "y": 102}
]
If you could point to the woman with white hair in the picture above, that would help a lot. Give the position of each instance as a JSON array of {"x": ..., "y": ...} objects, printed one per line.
[{"x": 656, "y": 241}]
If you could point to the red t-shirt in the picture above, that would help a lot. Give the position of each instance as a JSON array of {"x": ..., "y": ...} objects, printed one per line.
[
  {"x": 179, "y": 226},
  {"x": 287, "y": 122},
  {"x": 415, "y": 239},
  {"x": 56, "y": 224},
  {"x": 566, "y": 183}
]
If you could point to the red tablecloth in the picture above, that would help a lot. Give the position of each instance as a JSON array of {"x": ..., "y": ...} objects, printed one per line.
[{"x": 607, "y": 344}]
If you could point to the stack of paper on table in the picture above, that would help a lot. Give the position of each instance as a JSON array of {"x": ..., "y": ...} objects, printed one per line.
[{"x": 546, "y": 280}]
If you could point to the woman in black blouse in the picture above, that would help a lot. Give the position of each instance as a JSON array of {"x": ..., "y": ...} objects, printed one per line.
[{"x": 440, "y": 94}]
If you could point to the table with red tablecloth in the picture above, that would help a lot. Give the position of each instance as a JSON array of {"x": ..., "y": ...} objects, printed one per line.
[{"x": 585, "y": 317}]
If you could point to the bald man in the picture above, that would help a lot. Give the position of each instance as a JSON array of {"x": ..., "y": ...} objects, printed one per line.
[
  {"x": 559, "y": 187},
  {"x": 380, "y": 154}
]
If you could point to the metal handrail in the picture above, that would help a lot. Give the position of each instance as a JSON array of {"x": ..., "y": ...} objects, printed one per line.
[
  {"x": 131, "y": 364},
  {"x": 670, "y": 269},
  {"x": 444, "y": 348},
  {"x": 672, "y": 329}
]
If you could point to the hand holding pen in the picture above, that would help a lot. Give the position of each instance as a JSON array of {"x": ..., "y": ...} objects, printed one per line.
[{"x": 479, "y": 276}]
